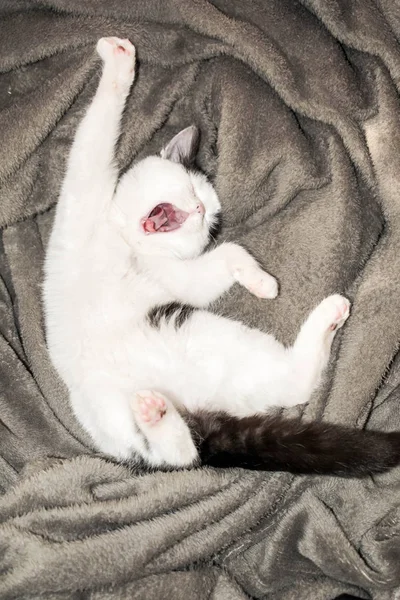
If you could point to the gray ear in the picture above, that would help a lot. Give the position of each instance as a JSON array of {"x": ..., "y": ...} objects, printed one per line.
[{"x": 183, "y": 147}]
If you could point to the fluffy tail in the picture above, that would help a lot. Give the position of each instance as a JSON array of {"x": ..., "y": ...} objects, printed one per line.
[{"x": 275, "y": 443}]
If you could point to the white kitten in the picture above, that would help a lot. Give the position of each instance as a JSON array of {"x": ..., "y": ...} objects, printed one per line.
[{"x": 127, "y": 284}]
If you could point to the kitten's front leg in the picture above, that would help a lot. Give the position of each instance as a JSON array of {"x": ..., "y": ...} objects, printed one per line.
[
  {"x": 119, "y": 65},
  {"x": 202, "y": 280},
  {"x": 169, "y": 438},
  {"x": 91, "y": 173},
  {"x": 219, "y": 269},
  {"x": 247, "y": 272}
]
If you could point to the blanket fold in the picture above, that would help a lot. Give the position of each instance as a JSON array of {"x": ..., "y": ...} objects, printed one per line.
[{"x": 298, "y": 106}]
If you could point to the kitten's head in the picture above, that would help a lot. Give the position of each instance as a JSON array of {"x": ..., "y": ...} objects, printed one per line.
[{"x": 164, "y": 205}]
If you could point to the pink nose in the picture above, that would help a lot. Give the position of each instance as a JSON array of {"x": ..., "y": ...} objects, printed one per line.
[{"x": 200, "y": 208}]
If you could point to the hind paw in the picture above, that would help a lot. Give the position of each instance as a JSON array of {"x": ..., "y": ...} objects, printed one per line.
[
  {"x": 168, "y": 435},
  {"x": 331, "y": 313},
  {"x": 339, "y": 307},
  {"x": 149, "y": 406}
]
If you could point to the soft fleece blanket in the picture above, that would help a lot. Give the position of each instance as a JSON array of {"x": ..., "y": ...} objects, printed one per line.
[{"x": 298, "y": 104}]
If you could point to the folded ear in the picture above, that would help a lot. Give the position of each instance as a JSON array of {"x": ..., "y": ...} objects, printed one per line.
[{"x": 183, "y": 147}]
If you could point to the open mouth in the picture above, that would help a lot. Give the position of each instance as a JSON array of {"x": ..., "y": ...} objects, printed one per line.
[{"x": 164, "y": 217}]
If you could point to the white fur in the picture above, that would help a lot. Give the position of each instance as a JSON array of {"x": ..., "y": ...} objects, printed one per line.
[{"x": 103, "y": 274}]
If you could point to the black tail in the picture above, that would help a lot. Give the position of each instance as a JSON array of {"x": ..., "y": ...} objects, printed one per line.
[{"x": 275, "y": 443}]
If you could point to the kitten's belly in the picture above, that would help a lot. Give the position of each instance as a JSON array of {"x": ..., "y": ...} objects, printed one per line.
[
  {"x": 194, "y": 366},
  {"x": 211, "y": 362},
  {"x": 142, "y": 358},
  {"x": 191, "y": 365},
  {"x": 163, "y": 364}
]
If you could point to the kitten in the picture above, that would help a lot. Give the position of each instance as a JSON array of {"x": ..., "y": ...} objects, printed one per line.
[{"x": 127, "y": 285}]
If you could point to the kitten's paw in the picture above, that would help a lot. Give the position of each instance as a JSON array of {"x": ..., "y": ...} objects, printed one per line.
[
  {"x": 341, "y": 311},
  {"x": 333, "y": 312},
  {"x": 110, "y": 47},
  {"x": 119, "y": 57},
  {"x": 169, "y": 437},
  {"x": 149, "y": 406},
  {"x": 246, "y": 271},
  {"x": 258, "y": 282}
]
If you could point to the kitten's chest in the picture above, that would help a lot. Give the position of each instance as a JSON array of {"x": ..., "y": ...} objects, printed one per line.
[{"x": 122, "y": 303}]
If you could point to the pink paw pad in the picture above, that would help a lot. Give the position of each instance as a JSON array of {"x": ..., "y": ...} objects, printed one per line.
[
  {"x": 151, "y": 407},
  {"x": 116, "y": 46},
  {"x": 342, "y": 312},
  {"x": 119, "y": 49}
]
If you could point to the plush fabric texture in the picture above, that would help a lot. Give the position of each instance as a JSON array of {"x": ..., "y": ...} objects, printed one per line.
[{"x": 299, "y": 111}]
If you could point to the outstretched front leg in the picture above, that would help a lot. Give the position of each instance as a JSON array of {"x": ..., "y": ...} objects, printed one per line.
[
  {"x": 202, "y": 280},
  {"x": 91, "y": 173}
]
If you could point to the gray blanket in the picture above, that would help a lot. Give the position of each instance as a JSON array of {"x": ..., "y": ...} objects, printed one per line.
[{"x": 299, "y": 111}]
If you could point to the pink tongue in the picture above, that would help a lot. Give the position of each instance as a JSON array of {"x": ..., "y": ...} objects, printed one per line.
[
  {"x": 156, "y": 219},
  {"x": 164, "y": 217}
]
